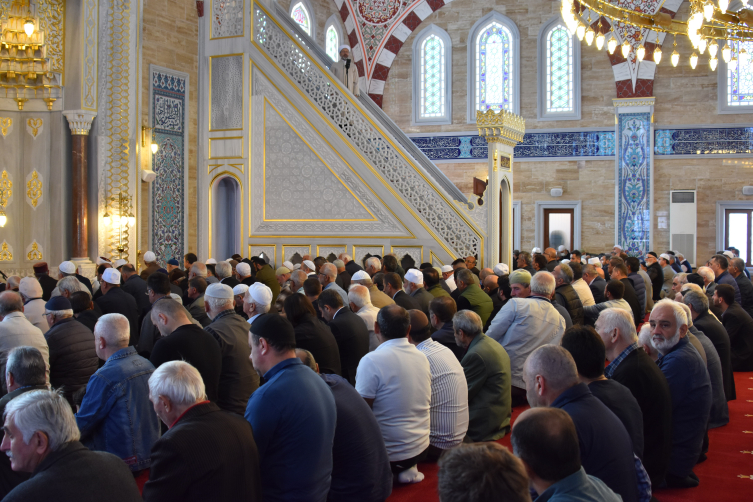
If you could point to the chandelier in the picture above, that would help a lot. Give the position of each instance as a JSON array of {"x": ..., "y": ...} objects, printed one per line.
[
  {"x": 710, "y": 26},
  {"x": 24, "y": 68}
]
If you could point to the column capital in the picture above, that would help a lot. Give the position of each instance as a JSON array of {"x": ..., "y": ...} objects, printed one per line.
[
  {"x": 502, "y": 127},
  {"x": 80, "y": 121}
]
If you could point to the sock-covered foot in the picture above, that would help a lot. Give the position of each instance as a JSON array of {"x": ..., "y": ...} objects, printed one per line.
[{"x": 411, "y": 475}]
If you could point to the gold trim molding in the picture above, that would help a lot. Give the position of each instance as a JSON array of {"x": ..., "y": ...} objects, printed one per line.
[
  {"x": 619, "y": 102},
  {"x": 503, "y": 127}
]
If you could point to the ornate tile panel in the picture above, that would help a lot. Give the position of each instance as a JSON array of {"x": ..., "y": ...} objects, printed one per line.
[
  {"x": 712, "y": 141},
  {"x": 633, "y": 178}
]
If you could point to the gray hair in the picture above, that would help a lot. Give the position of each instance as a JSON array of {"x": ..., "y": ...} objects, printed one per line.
[
  {"x": 298, "y": 277},
  {"x": 363, "y": 282},
  {"x": 338, "y": 263},
  {"x": 464, "y": 275},
  {"x": 60, "y": 314},
  {"x": 543, "y": 283},
  {"x": 71, "y": 285},
  {"x": 199, "y": 269},
  {"x": 223, "y": 269},
  {"x": 691, "y": 286},
  {"x": 644, "y": 337},
  {"x": 44, "y": 411},
  {"x": 469, "y": 322},
  {"x": 677, "y": 310},
  {"x": 13, "y": 282},
  {"x": 698, "y": 300},
  {"x": 359, "y": 295},
  {"x": 329, "y": 270},
  {"x": 526, "y": 257},
  {"x": 738, "y": 263},
  {"x": 27, "y": 366},
  {"x": 260, "y": 307},
  {"x": 306, "y": 357},
  {"x": 555, "y": 364},
  {"x": 10, "y": 301},
  {"x": 682, "y": 277},
  {"x": 565, "y": 273},
  {"x": 621, "y": 320},
  {"x": 218, "y": 303},
  {"x": 115, "y": 329},
  {"x": 706, "y": 273},
  {"x": 688, "y": 315},
  {"x": 178, "y": 381},
  {"x": 373, "y": 262},
  {"x": 590, "y": 270}
]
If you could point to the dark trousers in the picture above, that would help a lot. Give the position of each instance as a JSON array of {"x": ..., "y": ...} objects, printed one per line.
[
  {"x": 518, "y": 396},
  {"x": 404, "y": 465}
]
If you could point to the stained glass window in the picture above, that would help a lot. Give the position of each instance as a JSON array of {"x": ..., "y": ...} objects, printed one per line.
[
  {"x": 494, "y": 79},
  {"x": 332, "y": 43},
  {"x": 433, "y": 73},
  {"x": 559, "y": 70},
  {"x": 301, "y": 16},
  {"x": 740, "y": 79}
]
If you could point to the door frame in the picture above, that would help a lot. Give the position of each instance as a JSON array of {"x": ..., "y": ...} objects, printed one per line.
[
  {"x": 575, "y": 205},
  {"x": 721, "y": 218}
]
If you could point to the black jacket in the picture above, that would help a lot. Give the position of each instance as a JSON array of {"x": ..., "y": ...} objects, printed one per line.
[
  {"x": 656, "y": 274},
  {"x": 9, "y": 478},
  {"x": 649, "y": 387},
  {"x": 192, "y": 344},
  {"x": 209, "y": 454},
  {"x": 48, "y": 285},
  {"x": 89, "y": 318},
  {"x": 73, "y": 358},
  {"x": 136, "y": 287},
  {"x": 352, "y": 267},
  {"x": 566, "y": 296},
  {"x": 632, "y": 298},
  {"x": 739, "y": 326},
  {"x": 238, "y": 378},
  {"x": 746, "y": 293},
  {"x": 405, "y": 301},
  {"x": 343, "y": 280},
  {"x": 714, "y": 331},
  {"x": 73, "y": 473},
  {"x": 313, "y": 335},
  {"x": 117, "y": 301},
  {"x": 86, "y": 282},
  {"x": 597, "y": 287},
  {"x": 230, "y": 281},
  {"x": 352, "y": 341}
]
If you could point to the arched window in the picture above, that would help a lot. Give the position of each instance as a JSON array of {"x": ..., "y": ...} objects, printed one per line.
[
  {"x": 301, "y": 13},
  {"x": 558, "y": 73},
  {"x": 332, "y": 37},
  {"x": 740, "y": 78},
  {"x": 432, "y": 85},
  {"x": 493, "y": 66}
]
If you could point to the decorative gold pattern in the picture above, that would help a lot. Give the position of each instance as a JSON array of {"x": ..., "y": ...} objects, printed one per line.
[
  {"x": 51, "y": 15},
  {"x": 34, "y": 126},
  {"x": 633, "y": 101},
  {"x": 35, "y": 254},
  {"x": 5, "y": 253},
  {"x": 89, "y": 76},
  {"x": 6, "y": 186},
  {"x": 34, "y": 189},
  {"x": 5, "y": 125},
  {"x": 503, "y": 127}
]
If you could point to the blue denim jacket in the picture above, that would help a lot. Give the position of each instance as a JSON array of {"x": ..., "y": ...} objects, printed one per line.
[{"x": 116, "y": 415}]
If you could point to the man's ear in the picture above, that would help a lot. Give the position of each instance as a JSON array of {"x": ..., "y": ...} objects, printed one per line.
[{"x": 40, "y": 442}]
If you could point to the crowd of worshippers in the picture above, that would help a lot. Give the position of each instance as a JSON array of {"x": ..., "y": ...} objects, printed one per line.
[{"x": 330, "y": 380}]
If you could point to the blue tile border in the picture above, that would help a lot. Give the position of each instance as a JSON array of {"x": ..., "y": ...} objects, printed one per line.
[{"x": 704, "y": 141}]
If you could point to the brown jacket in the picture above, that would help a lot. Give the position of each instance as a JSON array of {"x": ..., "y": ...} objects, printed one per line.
[{"x": 149, "y": 270}]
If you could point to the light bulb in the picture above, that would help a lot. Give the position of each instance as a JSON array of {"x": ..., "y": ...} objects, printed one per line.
[
  {"x": 640, "y": 53},
  {"x": 723, "y": 4},
  {"x": 131, "y": 220},
  {"x": 744, "y": 2},
  {"x": 600, "y": 41},
  {"x": 116, "y": 219},
  {"x": 713, "y": 62},
  {"x": 580, "y": 31},
  {"x": 155, "y": 147},
  {"x": 693, "y": 60},
  {"x": 675, "y": 58},
  {"x": 657, "y": 55},
  {"x": 733, "y": 63},
  {"x": 726, "y": 52},
  {"x": 708, "y": 11},
  {"x": 106, "y": 219},
  {"x": 3, "y": 219},
  {"x": 702, "y": 45},
  {"x": 590, "y": 36},
  {"x": 29, "y": 27},
  {"x": 625, "y": 48},
  {"x": 612, "y": 44},
  {"x": 713, "y": 48}
]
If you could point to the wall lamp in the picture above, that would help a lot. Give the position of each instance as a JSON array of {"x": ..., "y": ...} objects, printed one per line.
[{"x": 146, "y": 133}]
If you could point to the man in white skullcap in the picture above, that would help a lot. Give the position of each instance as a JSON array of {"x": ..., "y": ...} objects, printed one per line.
[
  {"x": 257, "y": 301},
  {"x": 501, "y": 269},
  {"x": 239, "y": 293},
  {"x": 449, "y": 278},
  {"x": 243, "y": 273},
  {"x": 669, "y": 273},
  {"x": 31, "y": 293},
  {"x": 413, "y": 284},
  {"x": 150, "y": 260},
  {"x": 283, "y": 275},
  {"x": 68, "y": 268},
  {"x": 346, "y": 70},
  {"x": 378, "y": 298},
  {"x": 116, "y": 301},
  {"x": 289, "y": 265},
  {"x": 616, "y": 250},
  {"x": 535, "y": 251},
  {"x": 211, "y": 274},
  {"x": 309, "y": 267}
]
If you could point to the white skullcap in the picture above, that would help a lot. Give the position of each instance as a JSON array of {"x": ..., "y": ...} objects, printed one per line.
[
  {"x": 446, "y": 268},
  {"x": 297, "y": 266},
  {"x": 119, "y": 263},
  {"x": 665, "y": 256},
  {"x": 30, "y": 287},
  {"x": 536, "y": 251},
  {"x": 243, "y": 269},
  {"x": 211, "y": 261},
  {"x": 101, "y": 261},
  {"x": 594, "y": 261},
  {"x": 288, "y": 264},
  {"x": 414, "y": 276},
  {"x": 501, "y": 269},
  {"x": 310, "y": 265},
  {"x": 111, "y": 276},
  {"x": 221, "y": 291},
  {"x": 148, "y": 257},
  {"x": 239, "y": 289},
  {"x": 343, "y": 46},
  {"x": 618, "y": 247},
  {"x": 67, "y": 267},
  {"x": 729, "y": 254},
  {"x": 561, "y": 247},
  {"x": 176, "y": 297},
  {"x": 260, "y": 293},
  {"x": 360, "y": 275},
  {"x": 583, "y": 260},
  {"x": 565, "y": 261}
]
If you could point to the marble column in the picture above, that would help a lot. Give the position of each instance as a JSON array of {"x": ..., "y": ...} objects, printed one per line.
[
  {"x": 80, "y": 122},
  {"x": 502, "y": 131}
]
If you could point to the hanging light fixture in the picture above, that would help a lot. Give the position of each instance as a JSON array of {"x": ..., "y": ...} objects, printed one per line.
[
  {"x": 640, "y": 53},
  {"x": 3, "y": 218},
  {"x": 693, "y": 60},
  {"x": 580, "y": 31},
  {"x": 29, "y": 27},
  {"x": 732, "y": 63},
  {"x": 590, "y": 36},
  {"x": 131, "y": 220},
  {"x": 708, "y": 10},
  {"x": 675, "y": 57},
  {"x": 106, "y": 219},
  {"x": 625, "y": 48},
  {"x": 154, "y": 146},
  {"x": 726, "y": 52},
  {"x": 713, "y": 62},
  {"x": 612, "y": 43},
  {"x": 657, "y": 55},
  {"x": 713, "y": 49},
  {"x": 723, "y": 4},
  {"x": 600, "y": 41},
  {"x": 702, "y": 45}
]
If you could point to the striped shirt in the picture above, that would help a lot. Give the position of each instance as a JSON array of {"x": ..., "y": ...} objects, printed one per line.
[{"x": 449, "y": 396}]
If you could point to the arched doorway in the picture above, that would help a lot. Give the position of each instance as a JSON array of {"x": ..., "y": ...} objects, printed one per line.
[{"x": 226, "y": 218}]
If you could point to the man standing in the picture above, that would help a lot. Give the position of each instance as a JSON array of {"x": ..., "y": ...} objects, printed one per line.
[
  {"x": 196, "y": 289},
  {"x": 618, "y": 271},
  {"x": 739, "y": 326},
  {"x": 393, "y": 287},
  {"x": 328, "y": 279},
  {"x": 350, "y": 266},
  {"x": 470, "y": 263},
  {"x": 243, "y": 274},
  {"x": 360, "y": 303},
  {"x": 378, "y": 298},
  {"x": 293, "y": 417},
  {"x": 42, "y": 273},
  {"x": 413, "y": 284},
  {"x": 343, "y": 277},
  {"x": 472, "y": 297},
  {"x": 668, "y": 273},
  {"x": 448, "y": 274},
  {"x": 580, "y": 286},
  {"x": 116, "y": 415},
  {"x": 565, "y": 294},
  {"x": 656, "y": 274},
  {"x": 257, "y": 301},
  {"x": 31, "y": 294},
  {"x": 17, "y": 331},
  {"x": 736, "y": 269},
  {"x": 266, "y": 276},
  {"x": 349, "y": 331},
  {"x": 346, "y": 70},
  {"x": 116, "y": 301},
  {"x": 551, "y": 259},
  {"x": 441, "y": 312},
  {"x": 595, "y": 282},
  {"x": 614, "y": 291},
  {"x": 150, "y": 260},
  {"x": 134, "y": 285}
]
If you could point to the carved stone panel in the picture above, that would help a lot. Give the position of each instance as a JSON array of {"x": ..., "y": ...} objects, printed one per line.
[{"x": 226, "y": 88}]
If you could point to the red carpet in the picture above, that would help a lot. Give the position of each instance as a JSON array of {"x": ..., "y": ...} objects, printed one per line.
[{"x": 730, "y": 456}]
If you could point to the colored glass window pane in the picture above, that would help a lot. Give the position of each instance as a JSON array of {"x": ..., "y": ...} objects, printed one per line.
[
  {"x": 494, "y": 88},
  {"x": 433, "y": 76},
  {"x": 332, "y": 43},
  {"x": 740, "y": 80},
  {"x": 559, "y": 70},
  {"x": 301, "y": 16}
]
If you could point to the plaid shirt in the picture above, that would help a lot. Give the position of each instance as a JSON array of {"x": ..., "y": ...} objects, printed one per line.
[
  {"x": 609, "y": 370},
  {"x": 644, "y": 482}
]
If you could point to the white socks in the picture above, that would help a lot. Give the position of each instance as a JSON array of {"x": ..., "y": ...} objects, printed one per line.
[{"x": 411, "y": 475}]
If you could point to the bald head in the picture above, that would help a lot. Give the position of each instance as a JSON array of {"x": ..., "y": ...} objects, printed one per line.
[
  {"x": 484, "y": 273},
  {"x": 490, "y": 282},
  {"x": 10, "y": 301},
  {"x": 550, "y": 254},
  {"x": 419, "y": 327},
  {"x": 547, "y": 372}
]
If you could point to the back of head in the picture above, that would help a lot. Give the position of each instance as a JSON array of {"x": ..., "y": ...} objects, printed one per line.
[
  {"x": 543, "y": 283},
  {"x": 27, "y": 366},
  {"x": 619, "y": 319},
  {"x": 127, "y": 269},
  {"x": 115, "y": 329},
  {"x": 312, "y": 286},
  {"x": 695, "y": 279},
  {"x": 44, "y": 411},
  {"x": 393, "y": 321},
  {"x": 329, "y": 270},
  {"x": 420, "y": 329},
  {"x": 726, "y": 293},
  {"x": 393, "y": 280},
  {"x": 616, "y": 289},
  {"x": 721, "y": 260},
  {"x": 330, "y": 298},
  {"x": 587, "y": 349},
  {"x": 10, "y": 302},
  {"x": 223, "y": 269},
  {"x": 191, "y": 258},
  {"x": 618, "y": 264},
  {"x": 80, "y": 301},
  {"x": 339, "y": 264},
  {"x": 526, "y": 256},
  {"x": 172, "y": 310},
  {"x": 30, "y": 287},
  {"x": 159, "y": 283},
  {"x": 444, "y": 308},
  {"x": 706, "y": 273},
  {"x": 307, "y": 358},
  {"x": 577, "y": 269},
  {"x": 178, "y": 381},
  {"x": 390, "y": 263},
  {"x": 199, "y": 269},
  {"x": 465, "y": 276},
  {"x": 565, "y": 273},
  {"x": 199, "y": 283},
  {"x": 359, "y": 295},
  {"x": 482, "y": 472},
  {"x": 520, "y": 276},
  {"x": 546, "y": 440},
  {"x": 373, "y": 262},
  {"x": 697, "y": 300},
  {"x": 590, "y": 270},
  {"x": 431, "y": 277},
  {"x": 555, "y": 364},
  {"x": 503, "y": 283},
  {"x": 633, "y": 264},
  {"x": 70, "y": 284},
  {"x": 297, "y": 307},
  {"x": 469, "y": 322},
  {"x": 298, "y": 277},
  {"x": 540, "y": 261},
  {"x": 176, "y": 274}
]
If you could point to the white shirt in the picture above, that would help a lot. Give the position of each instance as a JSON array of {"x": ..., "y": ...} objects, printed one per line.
[
  {"x": 584, "y": 292},
  {"x": 450, "y": 281},
  {"x": 449, "y": 395},
  {"x": 252, "y": 319},
  {"x": 398, "y": 378},
  {"x": 369, "y": 314}
]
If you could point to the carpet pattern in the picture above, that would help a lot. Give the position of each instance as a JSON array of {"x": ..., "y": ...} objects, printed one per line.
[{"x": 726, "y": 476}]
